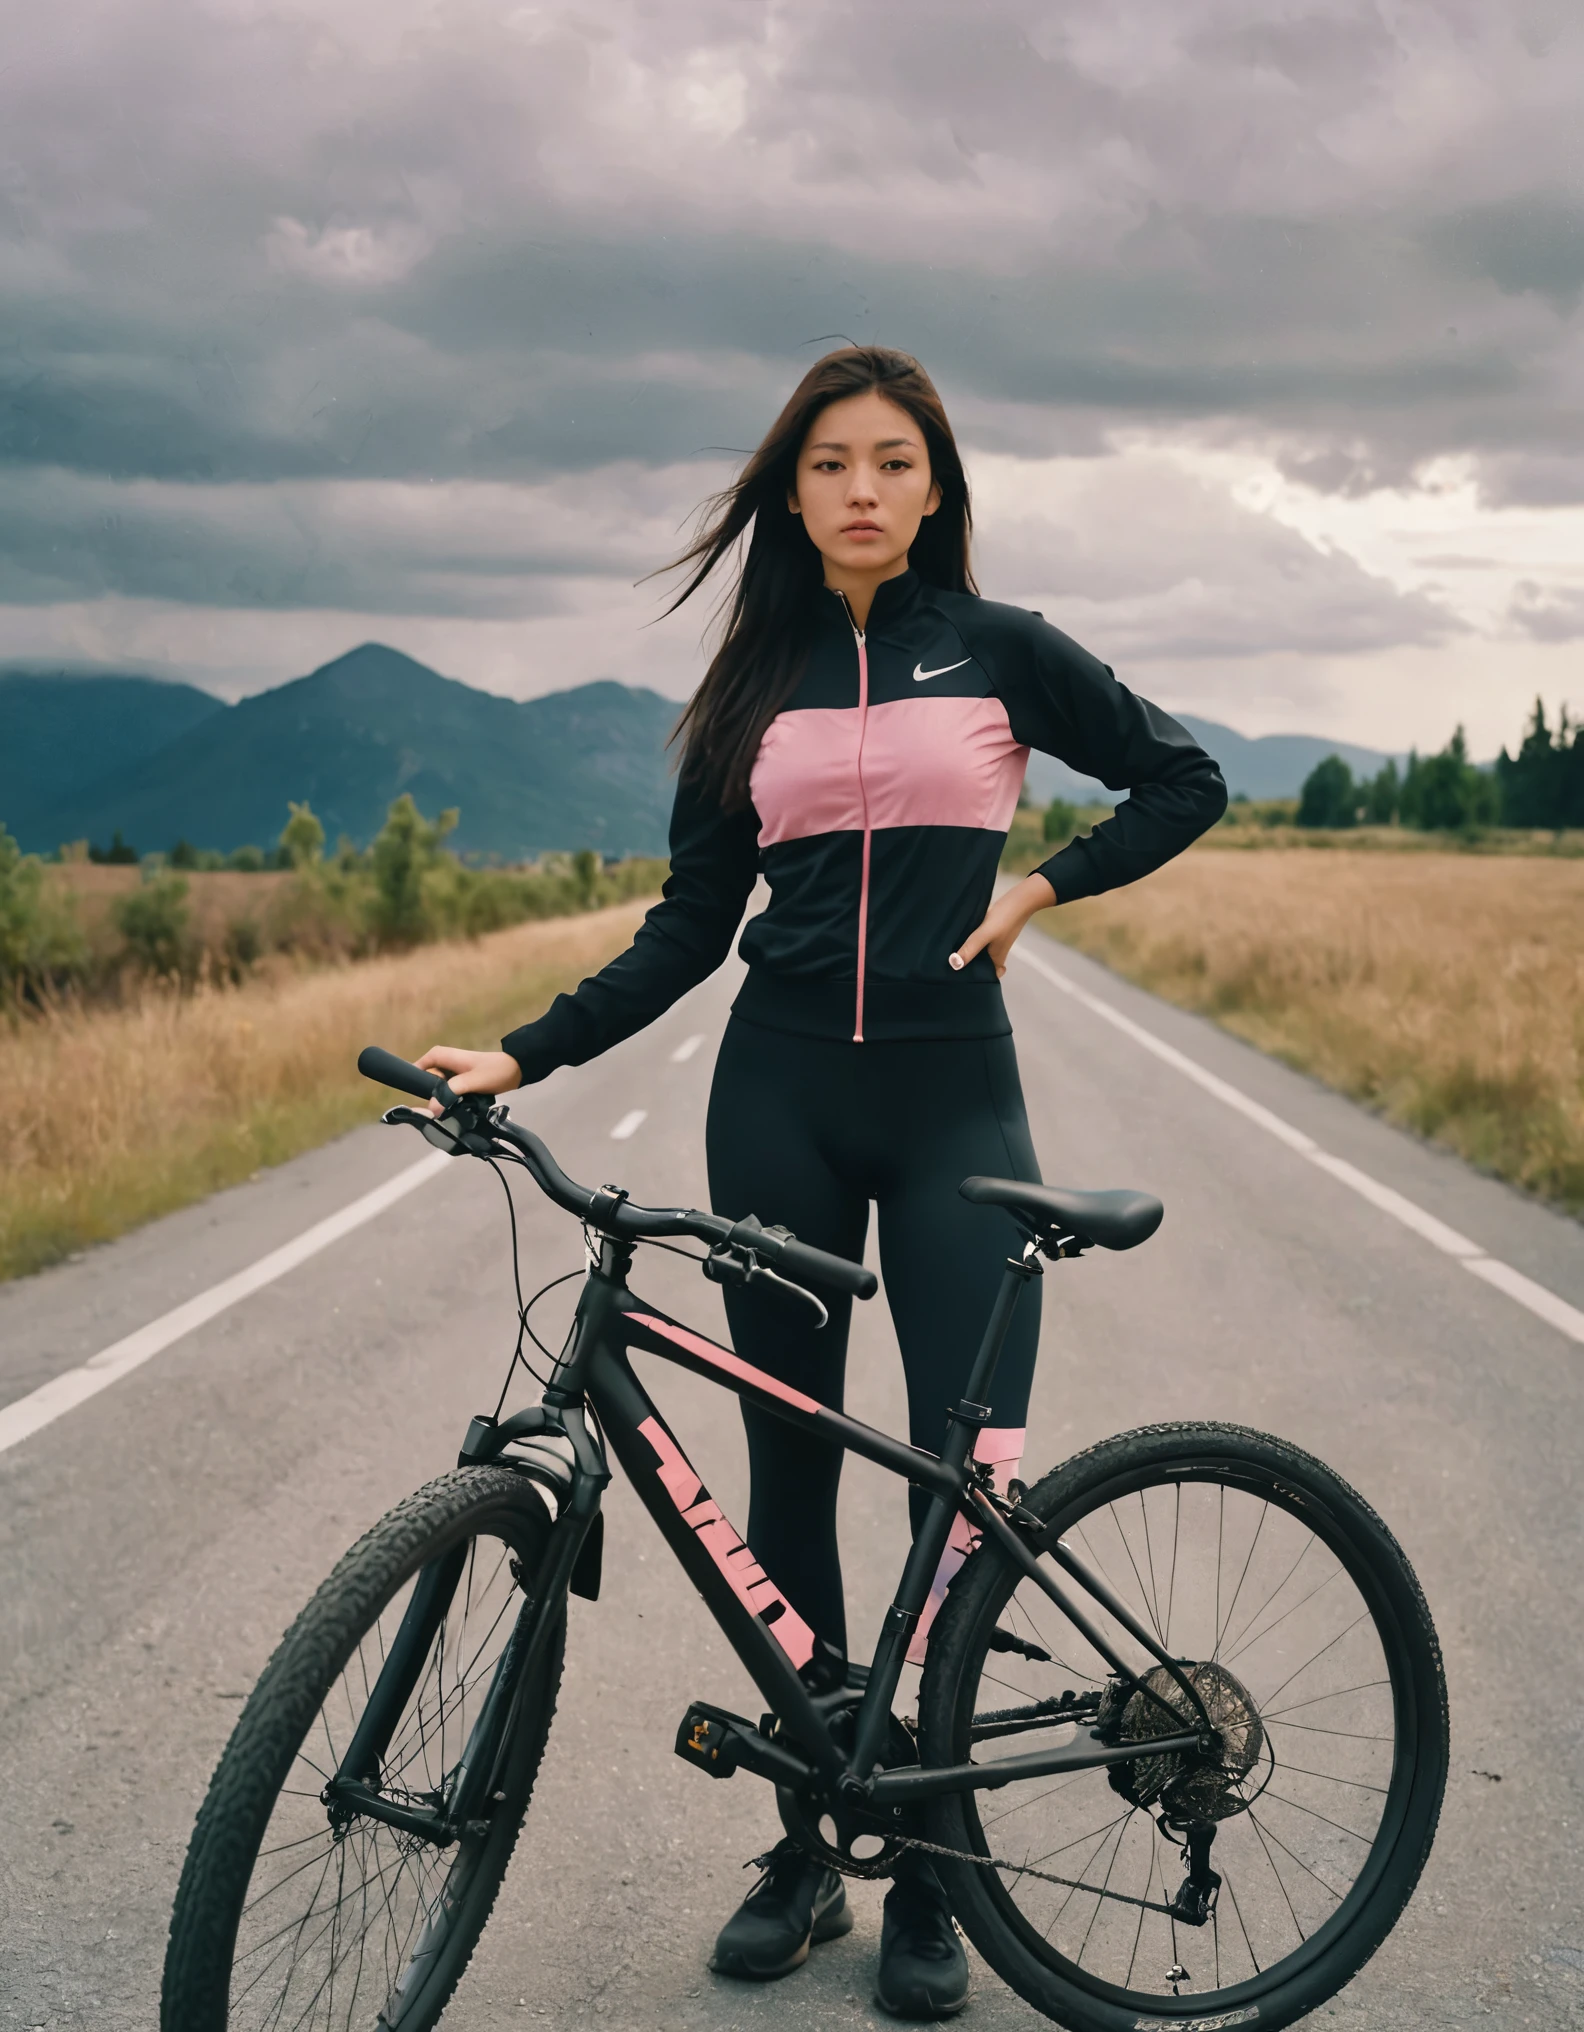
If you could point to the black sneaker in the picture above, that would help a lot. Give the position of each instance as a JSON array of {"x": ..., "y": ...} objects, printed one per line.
[
  {"x": 796, "y": 1903},
  {"x": 923, "y": 1969}
]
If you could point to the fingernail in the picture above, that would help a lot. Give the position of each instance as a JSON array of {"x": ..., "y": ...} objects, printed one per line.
[{"x": 955, "y": 962}]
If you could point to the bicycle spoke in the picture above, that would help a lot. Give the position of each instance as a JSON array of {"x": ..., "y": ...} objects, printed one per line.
[
  {"x": 1245, "y": 1646},
  {"x": 1171, "y": 1585},
  {"x": 1334, "y": 1895},
  {"x": 1237, "y": 1913},
  {"x": 1243, "y": 1576},
  {"x": 1275, "y": 1714},
  {"x": 1286, "y": 1897},
  {"x": 1298, "y": 1807},
  {"x": 1330, "y": 1778}
]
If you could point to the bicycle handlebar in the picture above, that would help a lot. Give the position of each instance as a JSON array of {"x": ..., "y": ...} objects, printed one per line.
[
  {"x": 611, "y": 1211},
  {"x": 387, "y": 1070}
]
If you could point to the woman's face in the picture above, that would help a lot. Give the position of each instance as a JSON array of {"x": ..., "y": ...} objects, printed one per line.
[{"x": 864, "y": 484}]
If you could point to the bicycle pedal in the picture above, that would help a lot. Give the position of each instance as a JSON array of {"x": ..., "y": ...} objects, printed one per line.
[{"x": 708, "y": 1739}]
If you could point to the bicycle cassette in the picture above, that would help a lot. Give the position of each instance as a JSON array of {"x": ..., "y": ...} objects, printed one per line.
[{"x": 1188, "y": 1786}]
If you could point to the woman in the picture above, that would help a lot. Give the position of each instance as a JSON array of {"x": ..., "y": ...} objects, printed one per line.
[{"x": 859, "y": 739}]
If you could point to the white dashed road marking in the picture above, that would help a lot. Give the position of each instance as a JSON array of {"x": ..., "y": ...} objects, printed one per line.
[
  {"x": 64, "y": 1393},
  {"x": 1542, "y": 1303}
]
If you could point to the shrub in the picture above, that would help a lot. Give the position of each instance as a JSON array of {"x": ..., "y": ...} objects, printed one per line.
[
  {"x": 406, "y": 849},
  {"x": 117, "y": 855},
  {"x": 246, "y": 861},
  {"x": 302, "y": 838},
  {"x": 1328, "y": 797},
  {"x": 1060, "y": 822},
  {"x": 40, "y": 944},
  {"x": 154, "y": 922}
]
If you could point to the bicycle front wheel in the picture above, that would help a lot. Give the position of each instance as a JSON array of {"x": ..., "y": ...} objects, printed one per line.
[
  {"x": 1289, "y": 1607},
  {"x": 295, "y": 1911}
]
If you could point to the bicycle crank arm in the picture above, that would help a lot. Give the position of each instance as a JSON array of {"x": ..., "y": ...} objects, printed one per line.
[{"x": 1088, "y": 1753}]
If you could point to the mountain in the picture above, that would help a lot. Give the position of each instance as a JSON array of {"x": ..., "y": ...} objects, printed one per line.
[
  {"x": 582, "y": 768},
  {"x": 82, "y": 756},
  {"x": 1272, "y": 765},
  {"x": 61, "y": 729}
]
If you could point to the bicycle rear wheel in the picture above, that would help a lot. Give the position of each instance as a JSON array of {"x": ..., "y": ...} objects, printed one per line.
[
  {"x": 291, "y": 1912},
  {"x": 1296, "y": 1616}
]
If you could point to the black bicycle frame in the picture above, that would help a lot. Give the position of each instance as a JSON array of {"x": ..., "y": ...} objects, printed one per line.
[{"x": 771, "y": 1639}]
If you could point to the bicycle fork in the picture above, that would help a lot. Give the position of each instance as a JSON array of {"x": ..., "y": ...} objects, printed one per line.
[{"x": 471, "y": 1788}]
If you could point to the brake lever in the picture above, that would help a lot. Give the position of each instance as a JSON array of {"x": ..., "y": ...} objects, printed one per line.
[
  {"x": 739, "y": 1268},
  {"x": 761, "y": 1274},
  {"x": 446, "y": 1132}
]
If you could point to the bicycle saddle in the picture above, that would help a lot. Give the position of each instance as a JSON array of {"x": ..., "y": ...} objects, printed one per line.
[{"x": 1115, "y": 1220}]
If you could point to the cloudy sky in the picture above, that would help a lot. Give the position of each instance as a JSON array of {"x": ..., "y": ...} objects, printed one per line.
[{"x": 431, "y": 321}]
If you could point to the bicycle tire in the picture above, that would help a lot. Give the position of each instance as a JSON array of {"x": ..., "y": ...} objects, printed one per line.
[
  {"x": 469, "y": 1506},
  {"x": 1156, "y": 1465}
]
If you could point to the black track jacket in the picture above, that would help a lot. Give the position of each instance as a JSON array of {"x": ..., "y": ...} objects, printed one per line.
[{"x": 880, "y": 801}]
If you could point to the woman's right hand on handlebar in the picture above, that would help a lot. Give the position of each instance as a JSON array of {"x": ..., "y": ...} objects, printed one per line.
[{"x": 472, "y": 1072}]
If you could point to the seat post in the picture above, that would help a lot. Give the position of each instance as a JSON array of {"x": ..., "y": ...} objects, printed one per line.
[{"x": 974, "y": 1410}]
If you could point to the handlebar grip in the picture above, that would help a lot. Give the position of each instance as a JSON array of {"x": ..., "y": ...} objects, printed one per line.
[
  {"x": 385, "y": 1068},
  {"x": 814, "y": 1266}
]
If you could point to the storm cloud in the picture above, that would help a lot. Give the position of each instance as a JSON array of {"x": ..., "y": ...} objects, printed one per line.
[{"x": 379, "y": 311}]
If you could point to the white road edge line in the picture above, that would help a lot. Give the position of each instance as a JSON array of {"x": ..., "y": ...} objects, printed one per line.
[
  {"x": 686, "y": 1049},
  {"x": 1501, "y": 1276},
  {"x": 633, "y": 1120},
  {"x": 52, "y": 1400}
]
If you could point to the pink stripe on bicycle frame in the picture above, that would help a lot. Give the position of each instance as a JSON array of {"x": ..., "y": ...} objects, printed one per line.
[
  {"x": 747, "y": 1579},
  {"x": 724, "y": 1359}
]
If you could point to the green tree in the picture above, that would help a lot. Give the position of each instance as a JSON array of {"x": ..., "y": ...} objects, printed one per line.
[
  {"x": 246, "y": 860},
  {"x": 406, "y": 848},
  {"x": 302, "y": 838},
  {"x": 1538, "y": 783},
  {"x": 39, "y": 939},
  {"x": 1329, "y": 796},
  {"x": 1383, "y": 795},
  {"x": 183, "y": 855},
  {"x": 117, "y": 855},
  {"x": 154, "y": 922},
  {"x": 1446, "y": 793},
  {"x": 1060, "y": 822}
]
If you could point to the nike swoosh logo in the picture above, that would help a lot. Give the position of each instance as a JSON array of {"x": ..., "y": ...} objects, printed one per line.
[{"x": 923, "y": 676}]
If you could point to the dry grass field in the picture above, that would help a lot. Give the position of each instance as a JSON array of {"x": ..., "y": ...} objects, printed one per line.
[
  {"x": 117, "y": 1115},
  {"x": 1445, "y": 990}
]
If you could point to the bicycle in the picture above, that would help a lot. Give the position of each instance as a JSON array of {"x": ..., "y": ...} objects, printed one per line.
[{"x": 363, "y": 1814}]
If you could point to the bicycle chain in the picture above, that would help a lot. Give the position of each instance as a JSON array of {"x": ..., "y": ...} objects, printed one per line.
[{"x": 909, "y": 1841}]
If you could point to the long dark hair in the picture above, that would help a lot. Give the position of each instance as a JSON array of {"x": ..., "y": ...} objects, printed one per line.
[{"x": 765, "y": 639}]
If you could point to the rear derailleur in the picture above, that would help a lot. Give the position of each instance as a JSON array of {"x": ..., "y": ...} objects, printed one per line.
[{"x": 1195, "y": 1902}]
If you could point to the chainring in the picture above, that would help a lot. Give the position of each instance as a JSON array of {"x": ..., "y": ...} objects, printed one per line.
[{"x": 831, "y": 1829}]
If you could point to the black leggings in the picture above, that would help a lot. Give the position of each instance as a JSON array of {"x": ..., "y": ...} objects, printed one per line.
[{"x": 805, "y": 1131}]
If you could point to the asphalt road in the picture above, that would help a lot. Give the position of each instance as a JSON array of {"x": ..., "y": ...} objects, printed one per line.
[{"x": 155, "y": 1540}]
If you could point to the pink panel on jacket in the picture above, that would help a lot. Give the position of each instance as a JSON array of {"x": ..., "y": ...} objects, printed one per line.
[
  {"x": 926, "y": 762},
  {"x": 805, "y": 776}
]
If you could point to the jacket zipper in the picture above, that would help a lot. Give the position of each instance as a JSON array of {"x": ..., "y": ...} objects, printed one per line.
[{"x": 861, "y": 641}]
